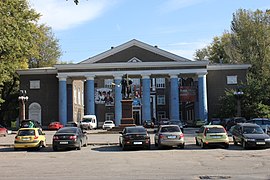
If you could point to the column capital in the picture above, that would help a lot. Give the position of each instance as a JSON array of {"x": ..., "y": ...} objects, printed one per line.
[
  {"x": 62, "y": 77},
  {"x": 202, "y": 74},
  {"x": 89, "y": 76},
  {"x": 173, "y": 75},
  {"x": 118, "y": 76},
  {"x": 145, "y": 75}
]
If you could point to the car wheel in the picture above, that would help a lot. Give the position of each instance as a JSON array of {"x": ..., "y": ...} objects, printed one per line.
[
  {"x": 44, "y": 144},
  {"x": 226, "y": 146},
  {"x": 148, "y": 146},
  {"x": 55, "y": 148},
  {"x": 197, "y": 143},
  {"x": 123, "y": 147},
  {"x": 203, "y": 145},
  {"x": 234, "y": 141},
  {"x": 39, "y": 145},
  {"x": 160, "y": 146},
  {"x": 181, "y": 146},
  {"x": 80, "y": 146},
  {"x": 244, "y": 144}
]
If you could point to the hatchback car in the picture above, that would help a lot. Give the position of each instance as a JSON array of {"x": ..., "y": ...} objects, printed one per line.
[
  {"x": 250, "y": 135},
  {"x": 212, "y": 135},
  {"x": 108, "y": 125},
  {"x": 55, "y": 126},
  {"x": 170, "y": 136},
  {"x": 69, "y": 138},
  {"x": 3, "y": 131},
  {"x": 29, "y": 138},
  {"x": 134, "y": 137}
]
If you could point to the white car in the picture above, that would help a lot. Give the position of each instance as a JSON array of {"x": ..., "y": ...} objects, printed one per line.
[{"x": 108, "y": 125}]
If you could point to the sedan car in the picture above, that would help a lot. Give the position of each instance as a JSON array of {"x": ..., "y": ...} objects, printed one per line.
[
  {"x": 69, "y": 138},
  {"x": 250, "y": 135},
  {"x": 170, "y": 136},
  {"x": 29, "y": 138},
  {"x": 264, "y": 123},
  {"x": 212, "y": 135},
  {"x": 134, "y": 137},
  {"x": 108, "y": 125},
  {"x": 55, "y": 126},
  {"x": 3, "y": 131}
]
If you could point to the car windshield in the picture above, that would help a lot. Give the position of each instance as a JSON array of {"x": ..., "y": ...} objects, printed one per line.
[
  {"x": 136, "y": 130},
  {"x": 87, "y": 120},
  {"x": 215, "y": 130},
  {"x": 28, "y": 132},
  {"x": 67, "y": 130},
  {"x": 252, "y": 130},
  {"x": 170, "y": 129}
]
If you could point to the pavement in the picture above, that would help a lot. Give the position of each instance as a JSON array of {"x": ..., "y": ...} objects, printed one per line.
[{"x": 100, "y": 137}]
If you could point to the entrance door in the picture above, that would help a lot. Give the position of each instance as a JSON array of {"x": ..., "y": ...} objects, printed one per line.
[{"x": 137, "y": 116}]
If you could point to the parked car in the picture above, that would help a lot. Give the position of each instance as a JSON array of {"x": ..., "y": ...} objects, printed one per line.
[
  {"x": 215, "y": 121},
  {"x": 69, "y": 138},
  {"x": 134, "y": 137},
  {"x": 163, "y": 121},
  {"x": 72, "y": 124},
  {"x": 233, "y": 121},
  {"x": 29, "y": 138},
  {"x": 170, "y": 136},
  {"x": 108, "y": 124},
  {"x": 177, "y": 122},
  {"x": 55, "y": 126},
  {"x": 30, "y": 123},
  {"x": 3, "y": 131},
  {"x": 264, "y": 123},
  {"x": 250, "y": 135},
  {"x": 148, "y": 124},
  {"x": 89, "y": 122},
  {"x": 209, "y": 135}
]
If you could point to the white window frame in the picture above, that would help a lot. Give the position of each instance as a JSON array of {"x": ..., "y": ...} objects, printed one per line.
[
  {"x": 160, "y": 83},
  {"x": 108, "y": 83},
  {"x": 161, "y": 100}
]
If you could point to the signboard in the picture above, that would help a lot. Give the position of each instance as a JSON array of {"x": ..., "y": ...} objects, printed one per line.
[{"x": 188, "y": 93}]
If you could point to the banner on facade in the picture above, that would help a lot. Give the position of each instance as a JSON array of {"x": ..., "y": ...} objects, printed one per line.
[
  {"x": 188, "y": 93},
  {"x": 104, "y": 96}
]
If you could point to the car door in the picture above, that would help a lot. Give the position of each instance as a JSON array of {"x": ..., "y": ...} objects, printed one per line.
[
  {"x": 200, "y": 133},
  {"x": 237, "y": 133}
]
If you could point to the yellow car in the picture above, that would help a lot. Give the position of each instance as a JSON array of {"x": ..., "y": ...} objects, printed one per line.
[
  {"x": 212, "y": 135},
  {"x": 29, "y": 138}
]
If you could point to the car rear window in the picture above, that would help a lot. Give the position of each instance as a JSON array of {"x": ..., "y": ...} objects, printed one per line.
[
  {"x": 170, "y": 129},
  {"x": 135, "y": 130},
  {"x": 86, "y": 120},
  {"x": 28, "y": 132},
  {"x": 67, "y": 130},
  {"x": 215, "y": 130},
  {"x": 108, "y": 122}
]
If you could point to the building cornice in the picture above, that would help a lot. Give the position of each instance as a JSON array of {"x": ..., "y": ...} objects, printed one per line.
[
  {"x": 32, "y": 71},
  {"x": 212, "y": 67}
]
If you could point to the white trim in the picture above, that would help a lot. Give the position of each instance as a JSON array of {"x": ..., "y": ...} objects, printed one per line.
[
  {"x": 134, "y": 60},
  {"x": 51, "y": 70},
  {"x": 129, "y": 44},
  {"x": 227, "y": 66}
]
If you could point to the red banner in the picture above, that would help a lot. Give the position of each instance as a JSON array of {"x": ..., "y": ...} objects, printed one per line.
[{"x": 188, "y": 93}]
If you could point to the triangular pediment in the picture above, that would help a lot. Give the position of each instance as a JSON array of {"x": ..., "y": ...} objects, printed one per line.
[{"x": 134, "y": 51}]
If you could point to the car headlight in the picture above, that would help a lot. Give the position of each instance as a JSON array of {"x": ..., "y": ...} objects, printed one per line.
[
  {"x": 249, "y": 140},
  {"x": 267, "y": 139}
]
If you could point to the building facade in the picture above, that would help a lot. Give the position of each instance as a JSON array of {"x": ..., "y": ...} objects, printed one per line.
[{"x": 161, "y": 84}]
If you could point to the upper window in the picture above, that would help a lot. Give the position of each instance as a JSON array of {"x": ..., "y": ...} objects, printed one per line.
[
  {"x": 35, "y": 84},
  {"x": 160, "y": 82},
  {"x": 108, "y": 83}
]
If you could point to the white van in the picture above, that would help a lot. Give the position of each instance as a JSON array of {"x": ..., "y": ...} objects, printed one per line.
[{"x": 89, "y": 122}]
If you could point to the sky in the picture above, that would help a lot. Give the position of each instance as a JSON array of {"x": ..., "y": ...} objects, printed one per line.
[{"x": 177, "y": 26}]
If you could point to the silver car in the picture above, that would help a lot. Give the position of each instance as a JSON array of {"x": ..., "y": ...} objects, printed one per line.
[{"x": 170, "y": 136}]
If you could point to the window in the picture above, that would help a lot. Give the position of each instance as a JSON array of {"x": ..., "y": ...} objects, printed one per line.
[
  {"x": 161, "y": 114},
  {"x": 160, "y": 82},
  {"x": 35, "y": 84},
  {"x": 161, "y": 100},
  {"x": 109, "y": 116},
  {"x": 231, "y": 79},
  {"x": 108, "y": 83}
]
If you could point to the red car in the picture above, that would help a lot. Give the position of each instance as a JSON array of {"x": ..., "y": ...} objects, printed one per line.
[
  {"x": 55, "y": 126},
  {"x": 3, "y": 131}
]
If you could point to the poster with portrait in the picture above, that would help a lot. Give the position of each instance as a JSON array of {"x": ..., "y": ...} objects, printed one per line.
[{"x": 104, "y": 96}]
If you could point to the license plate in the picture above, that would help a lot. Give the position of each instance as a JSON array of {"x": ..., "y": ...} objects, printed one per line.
[
  {"x": 260, "y": 142},
  {"x": 137, "y": 143},
  {"x": 25, "y": 139},
  {"x": 215, "y": 137},
  {"x": 171, "y": 137},
  {"x": 63, "y": 142}
]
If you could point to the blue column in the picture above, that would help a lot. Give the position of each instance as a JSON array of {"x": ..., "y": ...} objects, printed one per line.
[
  {"x": 117, "y": 100},
  {"x": 63, "y": 100},
  {"x": 146, "y": 109},
  {"x": 174, "y": 98},
  {"x": 202, "y": 97},
  {"x": 90, "y": 95}
]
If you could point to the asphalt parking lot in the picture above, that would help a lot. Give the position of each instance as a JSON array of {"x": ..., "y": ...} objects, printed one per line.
[{"x": 104, "y": 159}]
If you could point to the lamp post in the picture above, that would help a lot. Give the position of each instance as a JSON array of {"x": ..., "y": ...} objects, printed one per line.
[
  {"x": 238, "y": 94},
  {"x": 23, "y": 98}
]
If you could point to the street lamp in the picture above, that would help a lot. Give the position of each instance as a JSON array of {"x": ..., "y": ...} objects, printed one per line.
[
  {"x": 23, "y": 98},
  {"x": 238, "y": 94}
]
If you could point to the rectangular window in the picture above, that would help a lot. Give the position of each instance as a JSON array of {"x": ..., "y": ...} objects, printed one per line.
[
  {"x": 108, "y": 83},
  {"x": 35, "y": 84},
  {"x": 109, "y": 116},
  {"x": 161, "y": 100},
  {"x": 160, "y": 82},
  {"x": 161, "y": 114},
  {"x": 231, "y": 79}
]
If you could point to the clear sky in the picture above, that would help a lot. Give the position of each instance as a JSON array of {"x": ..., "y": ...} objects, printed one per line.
[{"x": 177, "y": 26}]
